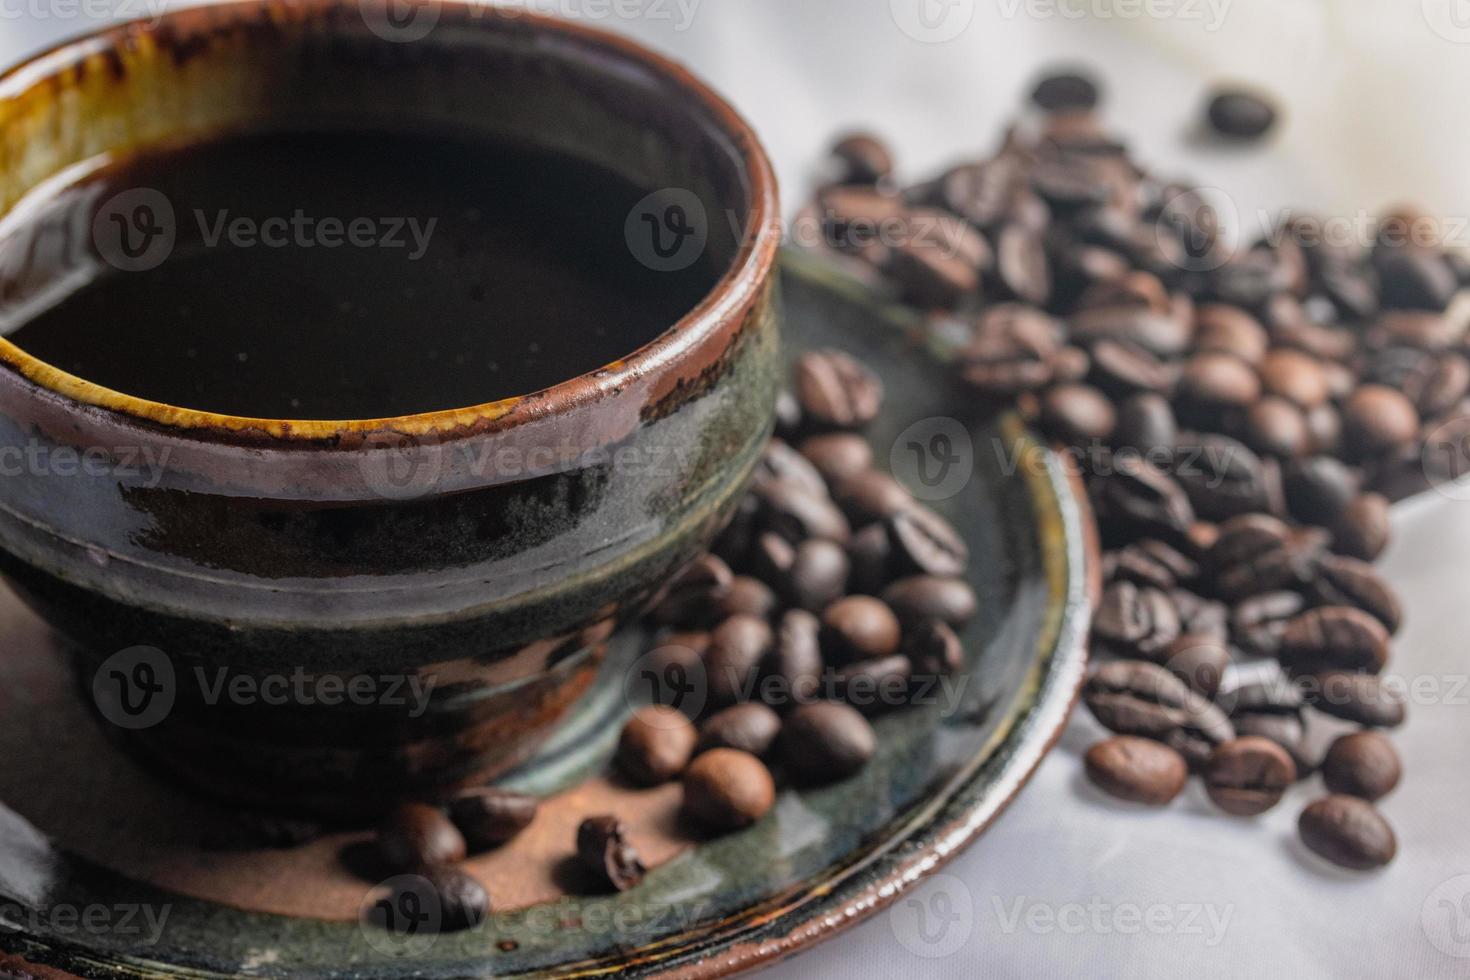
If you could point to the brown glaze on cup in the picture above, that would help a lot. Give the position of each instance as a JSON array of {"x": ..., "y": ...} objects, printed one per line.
[{"x": 385, "y": 547}]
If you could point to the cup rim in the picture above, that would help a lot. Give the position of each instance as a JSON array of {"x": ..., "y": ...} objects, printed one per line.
[{"x": 751, "y": 267}]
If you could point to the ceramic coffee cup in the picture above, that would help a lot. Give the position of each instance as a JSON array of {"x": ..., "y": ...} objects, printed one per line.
[{"x": 315, "y": 556}]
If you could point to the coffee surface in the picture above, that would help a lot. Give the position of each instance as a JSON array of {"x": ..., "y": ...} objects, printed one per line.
[{"x": 338, "y": 275}]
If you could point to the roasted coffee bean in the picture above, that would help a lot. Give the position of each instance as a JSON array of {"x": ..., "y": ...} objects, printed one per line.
[
  {"x": 1159, "y": 334},
  {"x": 1276, "y": 427},
  {"x": 1363, "y": 764},
  {"x": 1248, "y": 776},
  {"x": 1121, "y": 369},
  {"x": 726, "y": 789},
  {"x": 1146, "y": 424},
  {"x": 981, "y": 193},
  {"x": 1240, "y": 114},
  {"x": 1362, "y": 529},
  {"x": 1349, "y": 832},
  {"x": 1273, "y": 709},
  {"x": 675, "y": 668},
  {"x": 656, "y": 744},
  {"x": 1319, "y": 489},
  {"x": 1077, "y": 414},
  {"x": 1377, "y": 419},
  {"x": 1356, "y": 697},
  {"x": 1022, "y": 265},
  {"x": 1065, "y": 91},
  {"x": 441, "y": 899},
  {"x": 1134, "y": 697},
  {"x": 1334, "y": 638},
  {"x": 1200, "y": 662},
  {"x": 415, "y": 836},
  {"x": 603, "y": 847},
  {"x": 838, "y": 455},
  {"x": 771, "y": 558},
  {"x": 488, "y": 817},
  {"x": 1258, "y": 624},
  {"x": 934, "y": 649},
  {"x": 1013, "y": 349},
  {"x": 871, "y": 495},
  {"x": 826, "y": 741},
  {"x": 1135, "y": 622},
  {"x": 753, "y": 597},
  {"x": 1222, "y": 478},
  {"x": 736, "y": 649},
  {"x": 694, "y": 597},
  {"x": 1137, "y": 499},
  {"x": 924, "y": 597},
  {"x": 1230, "y": 330},
  {"x": 875, "y": 686},
  {"x": 862, "y": 158},
  {"x": 792, "y": 511},
  {"x": 1344, "y": 581},
  {"x": 749, "y": 728},
  {"x": 1299, "y": 378},
  {"x": 1202, "y": 617},
  {"x": 859, "y": 628},
  {"x": 937, "y": 266},
  {"x": 1150, "y": 562},
  {"x": 1255, "y": 554},
  {"x": 1139, "y": 770},
  {"x": 836, "y": 391},
  {"x": 781, "y": 462},
  {"x": 854, "y": 216},
  {"x": 795, "y": 664},
  {"x": 1069, "y": 183},
  {"x": 1324, "y": 426},
  {"x": 818, "y": 575},
  {"x": 1414, "y": 279},
  {"x": 870, "y": 557},
  {"x": 924, "y": 543},
  {"x": 1213, "y": 381}
]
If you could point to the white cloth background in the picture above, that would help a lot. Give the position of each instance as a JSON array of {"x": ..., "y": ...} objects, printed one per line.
[{"x": 1068, "y": 883}]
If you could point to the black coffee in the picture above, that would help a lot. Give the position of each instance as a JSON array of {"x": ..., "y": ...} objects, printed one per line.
[{"x": 338, "y": 274}]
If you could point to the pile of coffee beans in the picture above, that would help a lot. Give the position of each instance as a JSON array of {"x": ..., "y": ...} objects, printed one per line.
[
  {"x": 831, "y": 597},
  {"x": 421, "y": 846},
  {"x": 1242, "y": 417}
]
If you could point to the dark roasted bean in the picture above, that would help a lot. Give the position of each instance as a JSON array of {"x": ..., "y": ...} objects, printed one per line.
[
  {"x": 726, "y": 789},
  {"x": 750, "y": 728},
  {"x": 693, "y": 598},
  {"x": 736, "y": 650},
  {"x": 1139, "y": 770},
  {"x": 871, "y": 495},
  {"x": 1249, "y": 775},
  {"x": 934, "y": 649},
  {"x": 1134, "y": 622},
  {"x": 1240, "y": 114},
  {"x": 1146, "y": 424},
  {"x": 1065, "y": 91},
  {"x": 1356, "y": 697},
  {"x": 1334, "y": 638},
  {"x": 656, "y": 744},
  {"x": 792, "y": 511},
  {"x": 1344, "y": 581},
  {"x": 924, "y": 597},
  {"x": 488, "y": 817},
  {"x": 863, "y": 159},
  {"x": 870, "y": 557},
  {"x": 836, "y": 391},
  {"x": 826, "y": 741},
  {"x": 1200, "y": 662},
  {"x": 415, "y": 836},
  {"x": 1077, "y": 414},
  {"x": 1134, "y": 697},
  {"x": 924, "y": 543},
  {"x": 795, "y": 664},
  {"x": 604, "y": 849},
  {"x": 1362, "y": 764},
  {"x": 1349, "y": 832},
  {"x": 1012, "y": 350},
  {"x": 859, "y": 628},
  {"x": 838, "y": 455},
  {"x": 818, "y": 575},
  {"x": 1377, "y": 419}
]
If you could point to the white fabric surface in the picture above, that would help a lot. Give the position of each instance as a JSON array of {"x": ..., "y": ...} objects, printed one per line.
[{"x": 1068, "y": 883}]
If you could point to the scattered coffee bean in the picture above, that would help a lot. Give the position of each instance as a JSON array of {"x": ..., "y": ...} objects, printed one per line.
[
  {"x": 1348, "y": 832},
  {"x": 726, "y": 789},
  {"x": 736, "y": 650},
  {"x": 1341, "y": 581},
  {"x": 793, "y": 512},
  {"x": 1377, "y": 419},
  {"x": 859, "y": 628},
  {"x": 818, "y": 575},
  {"x": 1065, "y": 91},
  {"x": 1360, "y": 698},
  {"x": 694, "y": 595},
  {"x": 753, "y": 597},
  {"x": 1134, "y": 697},
  {"x": 604, "y": 850},
  {"x": 838, "y": 455},
  {"x": 1362, "y": 529},
  {"x": 1077, "y": 414},
  {"x": 488, "y": 817},
  {"x": 924, "y": 597},
  {"x": 1137, "y": 769},
  {"x": 1240, "y": 114},
  {"x": 1363, "y": 764},
  {"x": 656, "y": 744},
  {"x": 1136, "y": 622},
  {"x": 924, "y": 543},
  {"x": 751, "y": 728},
  {"x": 1200, "y": 662},
  {"x": 1334, "y": 638},
  {"x": 415, "y": 836},
  {"x": 826, "y": 741},
  {"x": 1249, "y": 775},
  {"x": 461, "y": 902},
  {"x": 864, "y": 159},
  {"x": 796, "y": 663},
  {"x": 836, "y": 391},
  {"x": 934, "y": 650},
  {"x": 871, "y": 495}
]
